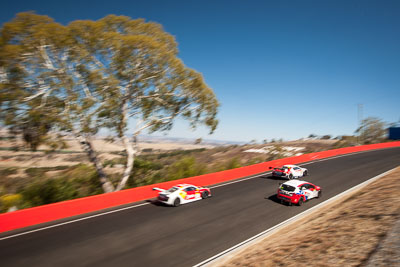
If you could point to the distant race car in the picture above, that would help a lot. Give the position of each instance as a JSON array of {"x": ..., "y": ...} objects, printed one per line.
[
  {"x": 297, "y": 192},
  {"x": 182, "y": 194},
  {"x": 289, "y": 171}
]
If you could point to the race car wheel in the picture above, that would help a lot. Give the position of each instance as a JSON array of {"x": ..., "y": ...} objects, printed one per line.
[
  {"x": 305, "y": 173},
  {"x": 177, "y": 202},
  {"x": 204, "y": 195},
  {"x": 300, "y": 201},
  {"x": 319, "y": 194},
  {"x": 290, "y": 176}
]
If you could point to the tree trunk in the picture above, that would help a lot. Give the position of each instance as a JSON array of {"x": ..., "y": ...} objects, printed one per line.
[
  {"x": 129, "y": 148},
  {"x": 130, "y": 151},
  {"x": 86, "y": 144}
]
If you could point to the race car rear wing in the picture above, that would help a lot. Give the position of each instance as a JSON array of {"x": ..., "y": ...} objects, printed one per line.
[{"x": 158, "y": 189}]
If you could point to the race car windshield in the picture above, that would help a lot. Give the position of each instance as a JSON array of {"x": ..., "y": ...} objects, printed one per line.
[
  {"x": 172, "y": 189},
  {"x": 288, "y": 188}
]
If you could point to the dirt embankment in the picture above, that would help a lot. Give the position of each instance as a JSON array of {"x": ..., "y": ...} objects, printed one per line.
[{"x": 344, "y": 233}]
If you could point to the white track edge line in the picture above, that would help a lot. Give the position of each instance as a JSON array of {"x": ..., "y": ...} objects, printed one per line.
[
  {"x": 135, "y": 206},
  {"x": 265, "y": 233},
  {"x": 72, "y": 221}
]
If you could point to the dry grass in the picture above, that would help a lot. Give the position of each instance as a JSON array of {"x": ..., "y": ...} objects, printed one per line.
[
  {"x": 344, "y": 233},
  {"x": 27, "y": 159}
]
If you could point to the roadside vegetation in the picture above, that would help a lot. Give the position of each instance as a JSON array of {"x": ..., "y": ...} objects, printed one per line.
[{"x": 28, "y": 187}]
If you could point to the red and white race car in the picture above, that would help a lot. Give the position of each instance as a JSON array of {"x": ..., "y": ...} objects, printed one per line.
[
  {"x": 297, "y": 192},
  {"x": 289, "y": 171},
  {"x": 182, "y": 194}
]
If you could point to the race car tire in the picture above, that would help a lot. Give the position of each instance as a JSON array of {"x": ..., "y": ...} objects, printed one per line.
[
  {"x": 177, "y": 202},
  {"x": 290, "y": 176},
  {"x": 319, "y": 194},
  {"x": 300, "y": 201},
  {"x": 305, "y": 173},
  {"x": 204, "y": 194}
]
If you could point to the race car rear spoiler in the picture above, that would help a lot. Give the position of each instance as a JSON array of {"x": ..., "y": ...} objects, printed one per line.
[
  {"x": 158, "y": 189},
  {"x": 275, "y": 167}
]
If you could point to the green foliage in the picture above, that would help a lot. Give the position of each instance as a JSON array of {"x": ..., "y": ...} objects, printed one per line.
[
  {"x": 78, "y": 181},
  {"x": 91, "y": 74},
  {"x": 49, "y": 191},
  {"x": 10, "y": 200},
  {"x": 185, "y": 167},
  {"x": 146, "y": 164},
  {"x": 233, "y": 164}
]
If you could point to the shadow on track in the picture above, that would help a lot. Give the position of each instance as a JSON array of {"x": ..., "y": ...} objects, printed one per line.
[
  {"x": 274, "y": 178},
  {"x": 275, "y": 199},
  {"x": 157, "y": 203}
]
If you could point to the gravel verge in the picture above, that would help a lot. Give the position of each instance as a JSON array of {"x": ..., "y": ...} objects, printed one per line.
[{"x": 362, "y": 229}]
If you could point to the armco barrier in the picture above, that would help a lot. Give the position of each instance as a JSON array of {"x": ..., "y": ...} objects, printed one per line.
[{"x": 32, "y": 216}]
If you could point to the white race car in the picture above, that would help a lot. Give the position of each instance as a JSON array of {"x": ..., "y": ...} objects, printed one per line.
[
  {"x": 289, "y": 171},
  {"x": 297, "y": 192},
  {"x": 182, "y": 194}
]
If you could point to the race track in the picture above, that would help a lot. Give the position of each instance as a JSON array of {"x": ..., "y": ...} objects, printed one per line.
[{"x": 154, "y": 235}]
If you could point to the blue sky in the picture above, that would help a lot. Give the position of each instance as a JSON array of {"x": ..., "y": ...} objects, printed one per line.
[{"x": 280, "y": 69}]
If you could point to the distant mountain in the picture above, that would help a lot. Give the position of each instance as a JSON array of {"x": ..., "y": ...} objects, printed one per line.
[{"x": 170, "y": 139}]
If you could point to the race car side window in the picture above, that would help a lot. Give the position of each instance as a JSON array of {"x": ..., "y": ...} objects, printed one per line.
[
  {"x": 310, "y": 186},
  {"x": 172, "y": 189},
  {"x": 305, "y": 186},
  {"x": 191, "y": 188}
]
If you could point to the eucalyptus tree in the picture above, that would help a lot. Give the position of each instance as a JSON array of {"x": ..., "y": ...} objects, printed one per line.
[
  {"x": 372, "y": 130},
  {"x": 104, "y": 73}
]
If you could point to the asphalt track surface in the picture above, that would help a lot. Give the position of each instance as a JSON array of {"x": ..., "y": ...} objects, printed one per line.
[{"x": 154, "y": 235}]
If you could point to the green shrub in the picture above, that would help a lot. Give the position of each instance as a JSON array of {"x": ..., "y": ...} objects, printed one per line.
[
  {"x": 78, "y": 181},
  {"x": 147, "y": 164},
  {"x": 233, "y": 164},
  {"x": 49, "y": 191},
  {"x": 85, "y": 179},
  {"x": 185, "y": 167},
  {"x": 9, "y": 200}
]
